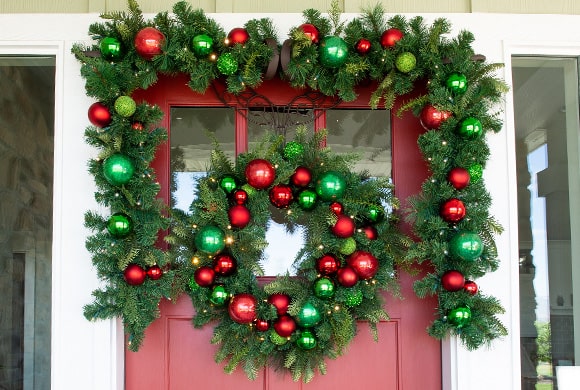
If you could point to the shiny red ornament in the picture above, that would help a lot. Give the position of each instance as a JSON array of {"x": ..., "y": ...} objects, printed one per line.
[
  {"x": 137, "y": 126},
  {"x": 344, "y": 227},
  {"x": 148, "y": 42},
  {"x": 336, "y": 208},
  {"x": 260, "y": 173},
  {"x": 239, "y": 216},
  {"x": 453, "y": 210},
  {"x": 280, "y": 302},
  {"x": 281, "y": 196},
  {"x": 240, "y": 196},
  {"x": 431, "y": 118},
  {"x": 459, "y": 178},
  {"x": 204, "y": 276},
  {"x": 134, "y": 275},
  {"x": 327, "y": 264},
  {"x": 311, "y": 31},
  {"x": 242, "y": 308},
  {"x": 261, "y": 325},
  {"x": 471, "y": 287},
  {"x": 224, "y": 264},
  {"x": 390, "y": 38},
  {"x": 154, "y": 272},
  {"x": 347, "y": 276},
  {"x": 364, "y": 264},
  {"x": 363, "y": 46},
  {"x": 285, "y": 326},
  {"x": 238, "y": 35},
  {"x": 99, "y": 115},
  {"x": 301, "y": 177},
  {"x": 452, "y": 280},
  {"x": 370, "y": 232}
]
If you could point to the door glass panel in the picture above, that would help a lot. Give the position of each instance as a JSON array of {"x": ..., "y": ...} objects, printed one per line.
[
  {"x": 547, "y": 137},
  {"x": 26, "y": 187}
]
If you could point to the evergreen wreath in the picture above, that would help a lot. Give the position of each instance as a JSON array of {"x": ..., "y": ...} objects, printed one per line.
[{"x": 295, "y": 322}]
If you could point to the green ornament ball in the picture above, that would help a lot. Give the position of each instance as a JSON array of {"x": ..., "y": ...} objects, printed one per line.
[
  {"x": 193, "y": 286},
  {"x": 348, "y": 246},
  {"x": 470, "y": 128},
  {"x": 210, "y": 239},
  {"x": 219, "y": 295},
  {"x": 307, "y": 199},
  {"x": 306, "y": 340},
  {"x": 330, "y": 185},
  {"x": 405, "y": 62},
  {"x": 333, "y": 52},
  {"x": 308, "y": 316},
  {"x": 202, "y": 45},
  {"x": 228, "y": 184},
  {"x": 460, "y": 316},
  {"x": 111, "y": 49},
  {"x": 120, "y": 225},
  {"x": 475, "y": 173},
  {"x": 276, "y": 339},
  {"x": 324, "y": 288},
  {"x": 293, "y": 149},
  {"x": 375, "y": 213},
  {"x": 227, "y": 64},
  {"x": 118, "y": 169},
  {"x": 466, "y": 246},
  {"x": 125, "y": 106},
  {"x": 354, "y": 297},
  {"x": 457, "y": 83}
]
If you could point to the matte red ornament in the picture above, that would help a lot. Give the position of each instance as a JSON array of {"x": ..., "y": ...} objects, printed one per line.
[
  {"x": 238, "y": 35},
  {"x": 137, "y": 126},
  {"x": 336, "y": 208},
  {"x": 363, "y": 46},
  {"x": 346, "y": 276},
  {"x": 431, "y": 118},
  {"x": 240, "y": 196},
  {"x": 134, "y": 274},
  {"x": 311, "y": 31},
  {"x": 204, "y": 276},
  {"x": 224, "y": 264},
  {"x": 285, "y": 326},
  {"x": 327, "y": 264},
  {"x": 459, "y": 178},
  {"x": 99, "y": 115},
  {"x": 242, "y": 308},
  {"x": 239, "y": 216},
  {"x": 344, "y": 227},
  {"x": 301, "y": 177},
  {"x": 390, "y": 37},
  {"x": 148, "y": 42},
  {"x": 471, "y": 287},
  {"x": 154, "y": 272},
  {"x": 453, "y": 210},
  {"x": 370, "y": 232},
  {"x": 452, "y": 280},
  {"x": 280, "y": 302},
  {"x": 281, "y": 196},
  {"x": 262, "y": 325},
  {"x": 260, "y": 173},
  {"x": 364, "y": 264}
]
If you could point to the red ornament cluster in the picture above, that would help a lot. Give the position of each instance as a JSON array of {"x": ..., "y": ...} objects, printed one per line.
[
  {"x": 431, "y": 118},
  {"x": 135, "y": 275}
]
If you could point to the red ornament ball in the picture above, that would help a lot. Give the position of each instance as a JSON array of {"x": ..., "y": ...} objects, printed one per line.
[
  {"x": 431, "y": 118},
  {"x": 364, "y": 264},
  {"x": 471, "y": 287},
  {"x": 242, "y": 308},
  {"x": 134, "y": 274},
  {"x": 238, "y": 36},
  {"x": 336, "y": 208},
  {"x": 363, "y": 46},
  {"x": 239, "y": 216},
  {"x": 390, "y": 37},
  {"x": 344, "y": 227},
  {"x": 148, "y": 42},
  {"x": 280, "y": 302},
  {"x": 327, "y": 264},
  {"x": 311, "y": 31},
  {"x": 137, "y": 126},
  {"x": 281, "y": 196},
  {"x": 260, "y": 173},
  {"x": 370, "y": 232},
  {"x": 452, "y": 280},
  {"x": 453, "y": 210},
  {"x": 262, "y": 325},
  {"x": 240, "y": 196},
  {"x": 99, "y": 115},
  {"x": 459, "y": 178},
  {"x": 204, "y": 276},
  {"x": 154, "y": 272},
  {"x": 224, "y": 264},
  {"x": 301, "y": 177},
  {"x": 347, "y": 276},
  {"x": 285, "y": 326}
]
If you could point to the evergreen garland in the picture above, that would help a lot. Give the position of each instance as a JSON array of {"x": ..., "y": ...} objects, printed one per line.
[{"x": 450, "y": 216}]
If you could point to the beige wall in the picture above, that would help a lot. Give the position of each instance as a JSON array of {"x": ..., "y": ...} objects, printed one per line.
[{"x": 252, "y": 6}]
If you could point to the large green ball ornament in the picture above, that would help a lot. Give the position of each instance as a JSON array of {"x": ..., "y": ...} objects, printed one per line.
[
  {"x": 210, "y": 239},
  {"x": 219, "y": 295},
  {"x": 202, "y": 45},
  {"x": 375, "y": 213},
  {"x": 227, "y": 64},
  {"x": 466, "y": 246},
  {"x": 459, "y": 316},
  {"x": 405, "y": 62},
  {"x": 324, "y": 288},
  {"x": 228, "y": 184},
  {"x": 348, "y": 246},
  {"x": 470, "y": 128},
  {"x": 330, "y": 185},
  {"x": 333, "y": 52},
  {"x": 354, "y": 297},
  {"x": 111, "y": 49},
  {"x": 475, "y": 173},
  {"x": 307, "y": 199},
  {"x": 118, "y": 169},
  {"x": 125, "y": 106},
  {"x": 306, "y": 340},
  {"x": 119, "y": 225},
  {"x": 457, "y": 83},
  {"x": 308, "y": 316},
  {"x": 293, "y": 149}
]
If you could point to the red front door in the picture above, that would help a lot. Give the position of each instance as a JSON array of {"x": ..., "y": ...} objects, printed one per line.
[{"x": 176, "y": 356}]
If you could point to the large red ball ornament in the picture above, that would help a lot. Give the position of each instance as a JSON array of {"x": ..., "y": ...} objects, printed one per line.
[
  {"x": 347, "y": 276},
  {"x": 301, "y": 177},
  {"x": 452, "y": 280},
  {"x": 260, "y": 173},
  {"x": 344, "y": 227},
  {"x": 154, "y": 272},
  {"x": 390, "y": 37},
  {"x": 471, "y": 287},
  {"x": 280, "y": 302},
  {"x": 238, "y": 35},
  {"x": 204, "y": 276},
  {"x": 363, "y": 46},
  {"x": 224, "y": 264},
  {"x": 453, "y": 210},
  {"x": 310, "y": 31},
  {"x": 281, "y": 196},
  {"x": 370, "y": 232},
  {"x": 459, "y": 178},
  {"x": 134, "y": 275},
  {"x": 364, "y": 264},
  {"x": 99, "y": 115},
  {"x": 242, "y": 308},
  {"x": 262, "y": 325},
  {"x": 148, "y": 42},
  {"x": 327, "y": 264},
  {"x": 431, "y": 118},
  {"x": 285, "y": 326},
  {"x": 239, "y": 216}
]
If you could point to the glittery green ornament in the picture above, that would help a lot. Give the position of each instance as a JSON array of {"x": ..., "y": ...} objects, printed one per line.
[
  {"x": 354, "y": 297},
  {"x": 275, "y": 338},
  {"x": 119, "y": 225},
  {"x": 202, "y": 45},
  {"x": 466, "y": 246},
  {"x": 470, "y": 128},
  {"x": 348, "y": 246},
  {"x": 227, "y": 64},
  {"x": 293, "y": 149},
  {"x": 111, "y": 49},
  {"x": 307, "y": 199},
  {"x": 218, "y": 295},
  {"x": 228, "y": 184},
  {"x": 306, "y": 340},
  {"x": 118, "y": 169},
  {"x": 333, "y": 52},
  {"x": 193, "y": 286},
  {"x": 249, "y": 189},
  {"x": 308, "y": 316},
  {"x": 405, "y": 62},
  {"x": 210, "y": 239},
  {"x": 324, "y": 288},
  {"x": 459, "y": 316},
  {"x": 475, "y": 173},
  {"x": 457, "y": 83},
  {"x": 125, "y": 106},
  {"x": 330, "y": 185}
]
